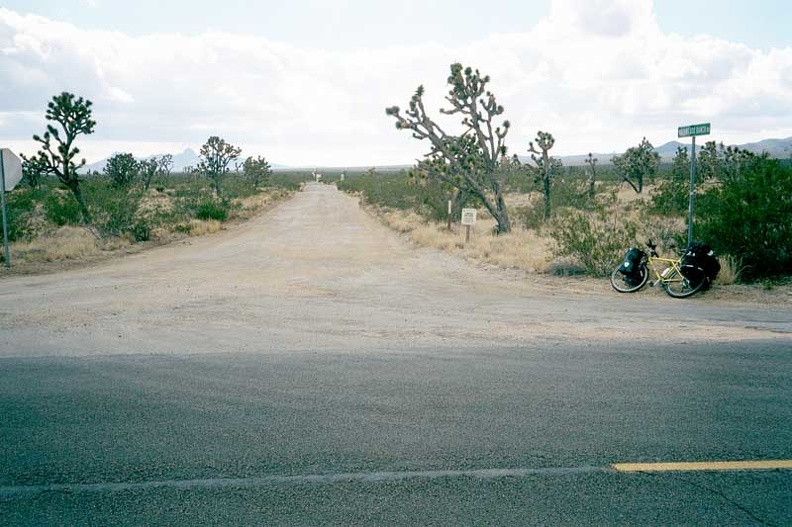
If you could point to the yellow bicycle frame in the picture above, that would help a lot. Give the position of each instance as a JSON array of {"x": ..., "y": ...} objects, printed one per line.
[{"x": 667, "y": 267}]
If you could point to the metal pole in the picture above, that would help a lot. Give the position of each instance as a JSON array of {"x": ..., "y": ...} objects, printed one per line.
[
  {"x": 692, "y": 191},
  {"x": 5, "y": 217}
]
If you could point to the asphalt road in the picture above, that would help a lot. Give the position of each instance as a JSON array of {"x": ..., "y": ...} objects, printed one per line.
[{"x": 287, "y": 373}]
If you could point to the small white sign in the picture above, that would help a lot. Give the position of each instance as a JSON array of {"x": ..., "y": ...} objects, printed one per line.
[
  {"x": 468, "y": 216},
  {"x": 12, "y": 168}
]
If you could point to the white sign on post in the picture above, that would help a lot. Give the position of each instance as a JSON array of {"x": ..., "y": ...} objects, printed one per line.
[
  {"x": 12, "y": 169},
  {"x": 10, "y": 175},
  {"x": 468, "y": 216}
]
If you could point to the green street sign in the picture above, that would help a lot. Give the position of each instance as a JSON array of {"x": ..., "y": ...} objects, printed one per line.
[{"x": 694, "y": 130}]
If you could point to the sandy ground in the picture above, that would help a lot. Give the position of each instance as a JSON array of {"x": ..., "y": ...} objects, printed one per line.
[{"x": 319, "y": 273}]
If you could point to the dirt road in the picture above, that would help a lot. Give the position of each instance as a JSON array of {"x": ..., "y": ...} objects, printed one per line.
[{"x": 318, "y": 273}]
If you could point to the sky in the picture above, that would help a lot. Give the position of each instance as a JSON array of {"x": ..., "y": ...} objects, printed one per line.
[{"x": 306, "y": 82}]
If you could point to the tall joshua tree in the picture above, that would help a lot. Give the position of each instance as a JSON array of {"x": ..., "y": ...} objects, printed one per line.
[
  {"x": 57, "y": 153},
  {"x": 544, "y": 165},
  {"x": 592, "y": 179},
  {"x": 468, "y": 161},
  {"x": 216, "y": 156}
]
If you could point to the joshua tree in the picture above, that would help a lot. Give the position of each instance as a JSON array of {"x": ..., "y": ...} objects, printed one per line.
[
  {"x": 217, "y": 155},
  {"x": 122, "y": 169},
  {"x": 545, "y": 165},
  {"x": 637, "y": 163},
  {"x": 58, "y": 152},
  {"x": 468, "y": 161},
  {"x": 257, "y": 171},
  {"x": 592, "y": 179}
]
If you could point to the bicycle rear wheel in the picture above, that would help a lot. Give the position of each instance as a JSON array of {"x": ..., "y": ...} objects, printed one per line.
[
  {"x": 629, "y": 284},
  {"x": 678, "y": 286}
]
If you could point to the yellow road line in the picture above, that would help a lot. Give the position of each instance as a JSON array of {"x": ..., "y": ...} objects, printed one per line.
[{"x": 704, "y": 465}]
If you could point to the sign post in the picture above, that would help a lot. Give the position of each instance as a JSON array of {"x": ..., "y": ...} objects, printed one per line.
[
  {"x": 468, "y": 220},
  {"x": 692, "y": 131},
  {"x": 10, "y": 175}
]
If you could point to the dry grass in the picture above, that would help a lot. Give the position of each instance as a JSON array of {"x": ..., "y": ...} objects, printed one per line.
[
  {"x": 525, "y": 250},
  {"x": 67, "y": 243},
  {"x": 70, "y": 246},
  {"x": 520, "y": 249},
  {"x": 203, "y": 227},
  {"x": 253, "y": 205},
  {"x": 730, "y": 270},
  {"x": 400, "y": 220}
]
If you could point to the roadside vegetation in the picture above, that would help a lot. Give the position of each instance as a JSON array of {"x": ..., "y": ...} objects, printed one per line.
[
  {"x": 77, "y": 215},
  {"x": 747, "y": 223},
  {"x": 536, "y": 214},
  {"x": 46, "y": 224}
]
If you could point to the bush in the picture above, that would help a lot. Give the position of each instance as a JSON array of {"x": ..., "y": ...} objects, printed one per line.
[
  {"x": 749, "y": 216},
  {"x": 61, "y": 208},
  {"x": 212, "y": 209},
  {"x": 395, "y": 191},
  {"x": 670, "y": 198},
  {"x": 114, "y": 208},
  {"x": 594, "y": 240},
  {"x": 24, "y": 219},
  {"x": 531, "y": 216},
  {"x": 568, "y": 192},
  {"x": 141, "y": 231}
]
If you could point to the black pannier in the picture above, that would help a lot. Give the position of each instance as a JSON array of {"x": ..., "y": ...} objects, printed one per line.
[
  {"x": 631, "y": 265},
  {"x": 699, "y": 263}
]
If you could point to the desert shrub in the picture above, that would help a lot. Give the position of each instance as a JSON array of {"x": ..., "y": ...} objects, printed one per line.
[
  {"x": 212, "y": 209},
  {"x": 288, "y": 180},
  {"x": 668, "y": 232},
  {"x": 61, "y": 208},
  {"x": 236, "y": 186},
  {"x": 393, "y": 190},
  {"x": 114, "y": 208},
  {"x": 531, "y": 216},
  {"x": 670, "y": 197},
  {"x": 23, "y": 209},
  {"x": 596, "y": 241},
  {"x": 749, "y": 216},
  {"x": 141, "y": 231},
  {"x": 568, "y": 192}
]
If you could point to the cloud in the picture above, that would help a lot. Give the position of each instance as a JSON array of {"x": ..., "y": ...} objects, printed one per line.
[{"x": 599, "y": 75}]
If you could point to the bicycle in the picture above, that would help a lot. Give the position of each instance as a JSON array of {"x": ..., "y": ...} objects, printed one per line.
[{"x": 667, "y": 272}]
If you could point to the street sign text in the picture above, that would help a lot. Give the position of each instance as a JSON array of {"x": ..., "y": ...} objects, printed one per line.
[{"x": 693, "y": 130}]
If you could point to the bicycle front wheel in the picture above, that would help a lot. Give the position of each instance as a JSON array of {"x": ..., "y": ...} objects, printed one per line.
[
  {"x": 627, "y": 283},
  {"x": 678, "y": 286}
]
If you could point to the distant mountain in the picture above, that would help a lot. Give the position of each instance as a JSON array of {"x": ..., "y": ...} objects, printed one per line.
[
  {"x": 778, "y": 148},
  {"x": 97, "y": 166},
  {"x": 188, "y": 158},
  {"x": 180, "y": 161}
]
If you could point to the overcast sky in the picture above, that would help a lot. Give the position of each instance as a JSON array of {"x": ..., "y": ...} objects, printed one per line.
[{"x": 306, "y": 82}]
